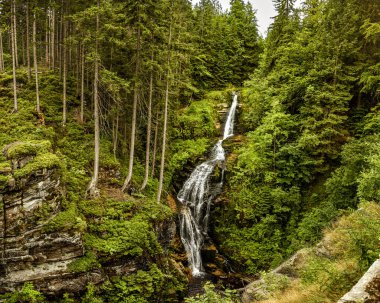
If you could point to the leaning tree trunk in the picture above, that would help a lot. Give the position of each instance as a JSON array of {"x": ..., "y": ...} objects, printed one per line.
[
  {"x": 92, "y": 189},
  {"x": 149, "y": 128},
  {"x": 134, "y": 113},
  {"x": 14, "y": 64},
  {"x": 162, "y": 167},
  {"x": 35, "y": 63}
]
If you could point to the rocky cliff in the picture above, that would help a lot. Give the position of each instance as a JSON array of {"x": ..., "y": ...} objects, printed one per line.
[{"x": 30, "y": 197}]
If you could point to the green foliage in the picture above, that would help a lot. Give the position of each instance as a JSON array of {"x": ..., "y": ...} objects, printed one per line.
[
  {"x": 27, "y": 294},
  {"x": 123, "y": 228},
  {"x": 302, "y": 107},
  {"x": 196, "y": 121},
  {"x": 211, "y": 295},
  {"x": 142, "y": 287},
  {"x": 91, "y": 296},
  {"x": 131, "y": 238},
  {"x": 310, "y": 228},
  {"x": 183, "y": 150}
]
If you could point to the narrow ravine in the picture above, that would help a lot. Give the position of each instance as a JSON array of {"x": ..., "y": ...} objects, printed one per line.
[{"x": 197, "y": 195}]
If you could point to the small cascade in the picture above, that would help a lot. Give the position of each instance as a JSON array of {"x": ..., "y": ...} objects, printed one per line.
[{"x": 196, "y": 196}]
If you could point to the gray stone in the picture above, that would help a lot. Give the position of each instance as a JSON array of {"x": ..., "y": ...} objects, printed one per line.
[{"x": 367, "y": 290}]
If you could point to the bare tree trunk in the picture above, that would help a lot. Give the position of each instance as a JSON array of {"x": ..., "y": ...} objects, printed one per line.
[
  {"x": 27, "y": 42},
  {"x": 64, "y": 101},
  {"x": 162, "y": 167},
  {"x": 14, "y": 64},
  {"x": 92, "y": 188},
  {"x": 61, "y": 47},
  {"x": 35, "y": 63},
  {"x": 134, "y": 113},
  {"x": 78, "y": 67},
  {"x": 52, "y": 39},
  {"x": 23, "y": 47},
  {"x": 116, "y": 136},
  {"x": 154, "y": 147},
  {"x": 1, "y": 51},
  {"x": 149, "y": 129},
  {"x": 15, "y": 31},
  {"x": 82, "y": 86},
  {"x": 47, "y": 44}
]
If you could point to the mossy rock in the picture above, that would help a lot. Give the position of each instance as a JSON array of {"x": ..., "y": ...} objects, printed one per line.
[
  {"x": 5, "y": 168},
  {"x": 43, "y": 161},
  {"x": 4, "y": 181},
  {"x": 19, "y": 150}
]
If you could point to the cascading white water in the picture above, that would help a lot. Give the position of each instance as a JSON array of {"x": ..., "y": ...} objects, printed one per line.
[
  {"x": 229, "y": 127},
  {"x": 196, "y": 198}
]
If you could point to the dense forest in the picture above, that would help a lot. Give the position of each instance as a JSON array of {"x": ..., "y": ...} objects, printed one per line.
[{"x": 107, "y": 106}]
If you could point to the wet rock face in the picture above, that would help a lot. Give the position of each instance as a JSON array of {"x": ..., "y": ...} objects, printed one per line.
[{"x": 27, "y": 251}]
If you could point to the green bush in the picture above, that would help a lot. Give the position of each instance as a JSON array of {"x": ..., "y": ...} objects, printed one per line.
[
  {"x": 213, "y": 296},
  {"x": 27, "y": 294}
]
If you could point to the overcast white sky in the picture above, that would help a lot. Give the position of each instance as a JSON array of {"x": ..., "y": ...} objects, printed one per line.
[{"x": 264, "y": 11}]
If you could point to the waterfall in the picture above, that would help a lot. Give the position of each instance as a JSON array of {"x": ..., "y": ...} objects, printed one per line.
[
  {"x": 196, "y": 196},
  {"x": 229, "y": 127}
]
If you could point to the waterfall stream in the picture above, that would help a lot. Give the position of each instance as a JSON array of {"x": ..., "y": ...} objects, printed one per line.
[{"x": 197, "y": 194}]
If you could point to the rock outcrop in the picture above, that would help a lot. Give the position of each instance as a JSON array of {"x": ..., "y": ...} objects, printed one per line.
[
  {"x": 30, "y": 196},
  {"x": 367, "y": 290}
]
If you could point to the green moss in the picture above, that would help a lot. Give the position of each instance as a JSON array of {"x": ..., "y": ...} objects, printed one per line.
[
  {"x": 5, "y": 167},
  {"x": 86, "y": 263},
  {"x": 66, "y": 220},
  {"x": 47, "y": 160},
  {"x": 31, "y": 148},
  {"x": 4, "y": 180}
]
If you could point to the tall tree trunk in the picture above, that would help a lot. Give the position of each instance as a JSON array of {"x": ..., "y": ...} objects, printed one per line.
[
  {"x": 1, "y": 51},
  {"x": 64, "y": 51},
  {"x": 61, "y": 47},
  {"x": 15, "y": 31},
  {"x": 14, "y": 64},
  {"x": 154, "y": 147},
  {"x": 149, "y": 129},
  {"x": 52, "y": 39},
  {"x": 134, "y": 113},
  {"x": 23, "y": 47},
  {"x": 35, "y": 63},
  {"x": 82, "y": 86},
  {"x": 78, "y": 67},
  {"x": 27, "y": 42},
  {"x": 116, "y": 135},
  {"x": 47, "y": 39},
  {"x": 92, "y": 188},
  {"x": 162, "y": 167}
]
